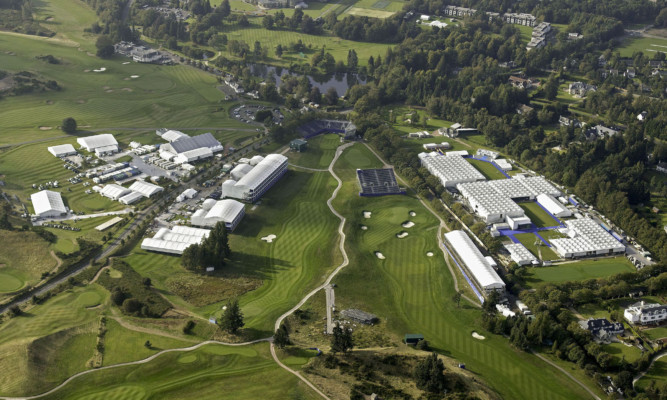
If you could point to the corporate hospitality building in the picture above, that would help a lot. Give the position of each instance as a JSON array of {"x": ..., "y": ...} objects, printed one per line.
[
  {"x": 185, "y": 149},
  {"x": 477, "y": 267},
  {"x": 62, "y": 150},
  {"x": 250, "y": 184},
  {"x": 586, "y": 238},
  {"x": 450, "y": 169},
  {"x": 228, "y": 211},
  {"x": 100, "y": 144},
  {"x": 174, "y": 240}
]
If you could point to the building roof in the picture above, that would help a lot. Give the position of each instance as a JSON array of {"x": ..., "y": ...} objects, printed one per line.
[
  {"x": 190, "y": 143},
  {"x": 520, "y": 253},
  {"x": 226, "y": 210},
  {"x": 358, "y": 315},
  {"x": 131, "y": 197},
  {"x": 105, "y": 225},
  {"x": 586, "y": 235},
  {"x": 552, "y": 205},
  {"x": 47, "y": 201},
  {"x": 61, "y": 150},
  {"x": 114, "y": 191},
  {"x": 240, "y": 171},
  {"x": 145, "y": 188},
  {"x": 175, "y": 240},
  {"x": 487, "y": 200},
  {"x": 474, "y": 261},
  {"x": 192, "y": 155},
  {"x": 93, "y": 142},
  {"x": 452, "y": 169},
  {"x": 262, "y": 171},
  {"x": 172, "y": 135}
]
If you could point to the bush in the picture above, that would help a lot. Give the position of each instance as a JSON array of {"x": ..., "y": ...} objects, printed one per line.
[{"x": 69, "y": 125}]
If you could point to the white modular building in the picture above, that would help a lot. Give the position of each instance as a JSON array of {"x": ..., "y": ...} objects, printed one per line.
[
  {"x": 553, "y": 206},
  {"x": 518, "y": 222},
  {"x": 457, "y": 153},
  {"x": 62, "y": 150},
  {"x": 503, "y": 164},
  {"x": 172, "y": 135},
  {"x": 187, "y": 194},
  {"x": 520, "y": 254},
  {"x": 145, "y": 189},
  {"x": 104, "y": 143},
  {"x": 436, "y": 146},
  {"x": 174, "y": 240},
  {"x": 131, "y": 197},
  {"x": 255, "y": 160},
  {"x": 228, "y": 211},
  {"x": 186, "y": 144},
  {"x": 451, "y": 170},
  {"x": 586, "y": 238},
  {"x": 114, "y": 192},
  {"x": 483, "y": 274},
  {"x": 48, "y": 204},
  {"x": 487, "y": 203},
  {"x": 257, "y": 181},
  {"x": 193, "y": 155}
]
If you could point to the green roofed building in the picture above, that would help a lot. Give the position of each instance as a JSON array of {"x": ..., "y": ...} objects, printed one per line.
[
  {"x": 298, "y": 145},
  {"x": 413, "y": 338}
]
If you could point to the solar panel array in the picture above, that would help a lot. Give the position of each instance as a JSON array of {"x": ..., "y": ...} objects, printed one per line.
[{"x": 378, "y": 182}]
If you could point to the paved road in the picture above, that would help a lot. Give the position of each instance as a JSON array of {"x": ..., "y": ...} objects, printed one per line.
[{"x": 75, "y": 217}]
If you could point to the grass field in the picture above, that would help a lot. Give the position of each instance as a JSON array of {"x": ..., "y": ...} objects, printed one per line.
[
  {"x": 649, "y": 46},
  {"x": 67, "y": 239},
  {"x": 122, "y": 345},
  {"x": 210, "y": 372},
  {"x": 656, "y": 333},
  {"x": 365, "y": 12},
  {"x": 657, "y": 373},
  {"x": 620, "y": 351},
  {"x": 295, "y": 211},
  {"x": 487, "y": 169},
  {"x": 410, "y": 292},
  {"x": 580, "y": 270},
  {"x": 542, "y": 252},
  {"x": 23, "y": 259},
  {"x": 537, "y": 215},
  {"x": 320, "y": 152}
]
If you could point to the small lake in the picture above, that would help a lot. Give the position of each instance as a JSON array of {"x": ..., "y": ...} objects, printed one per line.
[{"x": 340, "y": 82}]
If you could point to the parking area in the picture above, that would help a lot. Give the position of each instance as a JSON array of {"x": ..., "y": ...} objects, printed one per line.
[{"x": 248, "y": 113}]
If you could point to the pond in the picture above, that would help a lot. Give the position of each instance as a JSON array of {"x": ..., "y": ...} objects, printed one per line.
[{"x": 341, "y": 82}]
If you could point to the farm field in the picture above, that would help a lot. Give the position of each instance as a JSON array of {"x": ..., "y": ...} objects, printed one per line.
[
  {"x": 579, "y": 270},
  {"x": 487, "y": 169},
  {"x": 304, "y": 251},
  {"x": 320, "y": 152},
  {"x": 649, "y": 46},
  {"x": 537, "y": 215},
  {"x": 408, "y": 289},
  {"x": 104, "y": 100},
  {"x": 206, "y": 373},
  {"x": 23, "y": 260}
]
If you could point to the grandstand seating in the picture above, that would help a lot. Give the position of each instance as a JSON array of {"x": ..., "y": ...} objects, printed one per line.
[
  {"x": 378, "y": 182},
  {"x": 316, "y": 127}
]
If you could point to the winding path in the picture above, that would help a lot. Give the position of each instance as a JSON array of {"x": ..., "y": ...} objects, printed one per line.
[{"x": 641, "y": 374}]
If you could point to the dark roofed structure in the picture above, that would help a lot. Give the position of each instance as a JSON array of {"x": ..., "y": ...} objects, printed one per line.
[
  {"x": 359, "y": 316},
  {"x": 601, "y": 327},
  {"x": 316, "y": 127},
  {"x": 378, "y": 182},
  {"x": 413, "y": 338},
  {"x": 195, "y": 142}
]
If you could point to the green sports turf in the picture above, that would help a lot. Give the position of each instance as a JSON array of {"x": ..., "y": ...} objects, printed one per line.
[
  {"x": 487, "y": 169},
  {"x": 319, "y": 153},
  {"x": 537, "y": 215},
  {"x": 411, "y": 292},
  {"x": 216, "y": 372},
  {"x": 580, "y": 270},
  {"x": 9, "y": 282},
  {"x": 649, "y": 46}
]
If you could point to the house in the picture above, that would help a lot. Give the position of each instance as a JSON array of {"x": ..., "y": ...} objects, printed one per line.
[
  {"x": 645, "y": 313},
  {"x": 565, "y": 121},
  {"x": 413, "y": 338},
  {"x": 642, "y": 116},
  {"x": 523, "y": 109},
  {"x": 601, "y": 131},
  {"x": 602, "y": 328},
  {"x": 574, "y": 36},
  {"x": 630, "y": 73},
  {"x": 520, "y": 83},
  {"x": 661, "y": 167},
  {"x": 580, "y": 89}
]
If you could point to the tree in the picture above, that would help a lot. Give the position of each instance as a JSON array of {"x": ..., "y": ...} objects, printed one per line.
[
  {"x": 104, "y": 47},
  {"x": 131, "y": 306},
  {"x": 281, "y": 337},
  {"x": 331, "y": 96},
  {"x": 429, "y": 374},
  {"x": 279, "y": 50},
  {"x": 352, "y": 60},
  {"x": 148, "y": 344},
  {"x": 341, "y": 340},
  {"x": 268, "y": 22},
  {"x": 232, "y": 318},
  {"x": 224, "y": 9},
  {"x": 212, "y": 252},
  {"x": 457, "y": 298},
  {"x": 68, "y": 125}
]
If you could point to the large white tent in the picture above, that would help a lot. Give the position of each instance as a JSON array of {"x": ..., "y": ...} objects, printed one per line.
[
  {"x": 146, "y": 189},
  {"x": 104, "y": 142},
  {"x": 255, "y": 183},
  {"x": 174, "y": 240},
  {"x": 520, "y": 254},
  {"x": 62, "y": 150},
  {"x": 450, "y": 169},
  {"x": 586, "y": 237},
  {"x": 554, "y": 206},
  {"x": 48, "y": 204},
  {"x": 485, "y": 277},
  {"x": 228, "y": 211},
  {"x": 488, "y": 203},
  {"x": 114, "y": 192},
  {"x": 131, "y": 197}
]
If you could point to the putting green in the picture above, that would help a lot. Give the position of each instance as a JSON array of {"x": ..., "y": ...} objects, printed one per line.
[
  {"x": 9, "y": 283},
  {"x": 89, "y": 299}
]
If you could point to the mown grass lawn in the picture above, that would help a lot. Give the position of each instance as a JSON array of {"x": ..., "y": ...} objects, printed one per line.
[
  {"x": 23, "y": 259},
  {"x": 537, "y": 215},
  {"x": 487, "y": 169},
  {"x": 580, "y": 270},
  {"x": 318, "y": 154}
]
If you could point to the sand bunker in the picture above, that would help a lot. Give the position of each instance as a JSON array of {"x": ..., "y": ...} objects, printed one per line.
[
  {"x": 408, "y": 224},
  {"x": 379, "y": 255},
  {"x": 401, "y": 235},
  {"x": 109, "y": 90},
  {"x": 126, "y": 62},
  {"x": 364, "y": 228},
  {"x": 367, "y": 214},
  {"x": 45, "y": 128},
  {"x": 127, "y": 89},
  {"x": 429, "y": 254},
  {"x": 86, "y": 70},
  {"x": 413, "y": 214},
  {"x": 134, "y": 76},
  {"x": 269, "y": 238},
  {"x": 100, "y": 69},
  {"x": 478, "y": 336}
]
